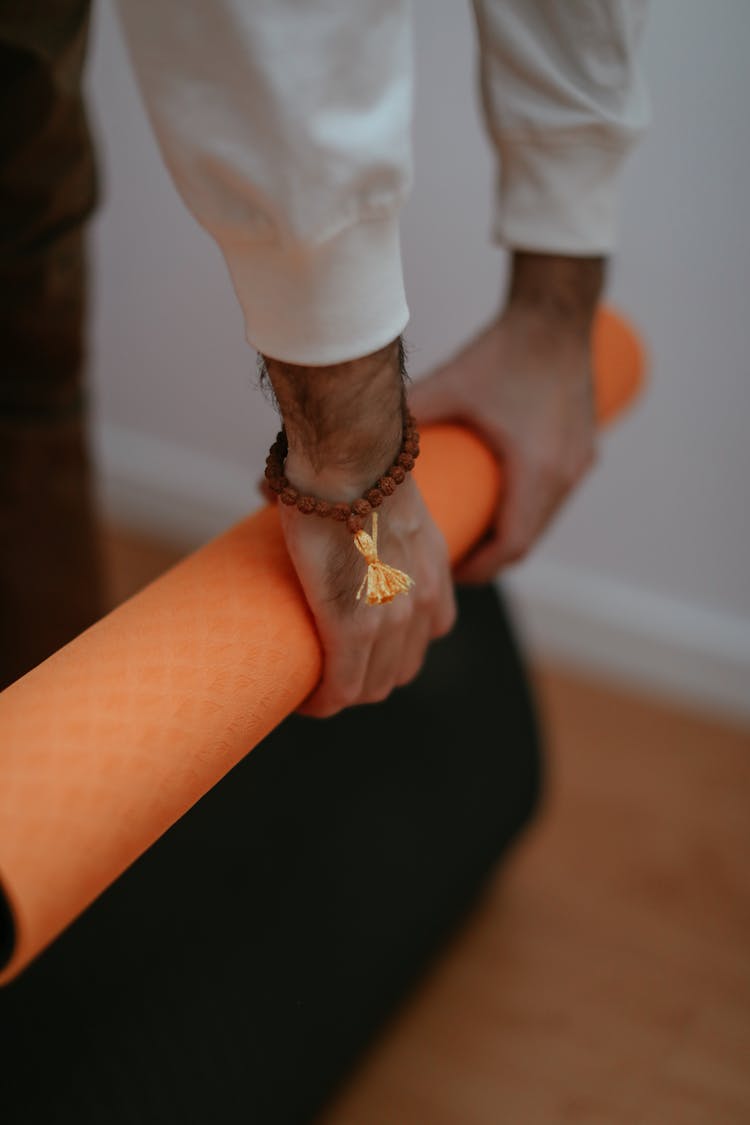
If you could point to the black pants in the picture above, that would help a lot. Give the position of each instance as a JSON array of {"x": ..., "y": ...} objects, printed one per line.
[{"x": 239, "y": 968}]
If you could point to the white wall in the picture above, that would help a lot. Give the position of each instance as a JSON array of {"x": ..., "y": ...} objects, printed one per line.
[{"x": 646, "y": 574}]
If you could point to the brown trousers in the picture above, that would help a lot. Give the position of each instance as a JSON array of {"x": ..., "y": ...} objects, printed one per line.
[{"x": 50, "y": 577}]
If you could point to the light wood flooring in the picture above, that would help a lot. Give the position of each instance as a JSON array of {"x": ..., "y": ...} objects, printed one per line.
[{"x": 605, "y": 976}]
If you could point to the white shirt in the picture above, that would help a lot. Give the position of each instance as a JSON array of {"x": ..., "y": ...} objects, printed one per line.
[{"x": 286, "y": 125}]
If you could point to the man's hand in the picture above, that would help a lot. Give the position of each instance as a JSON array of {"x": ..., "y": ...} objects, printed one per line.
[
  {"x": 343, "y": 427},
  {"x": 524, "y": 383}
]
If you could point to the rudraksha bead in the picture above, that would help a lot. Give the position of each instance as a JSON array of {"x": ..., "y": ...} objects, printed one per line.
[{"x": 354, "y": 514}]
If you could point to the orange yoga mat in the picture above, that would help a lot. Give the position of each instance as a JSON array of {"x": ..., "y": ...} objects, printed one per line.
[{"x": 109, "y": 741}]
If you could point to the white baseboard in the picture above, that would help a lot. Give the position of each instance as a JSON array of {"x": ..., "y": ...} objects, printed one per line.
[
  {"x": 652, "y": 642},
  {"x": 166, "y": 490},
  {"x": 623, "y": 633}
]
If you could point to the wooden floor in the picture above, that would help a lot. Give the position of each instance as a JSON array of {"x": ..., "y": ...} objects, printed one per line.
[{"x": 605, "y": 977}]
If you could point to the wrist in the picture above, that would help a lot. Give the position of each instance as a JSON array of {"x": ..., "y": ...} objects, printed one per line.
[
  {"x": 556, "y": 293},
  {"x": 343, "y": 478},
  {"x": 343, "y": 422},
  {"x": 348, "y": 502}
]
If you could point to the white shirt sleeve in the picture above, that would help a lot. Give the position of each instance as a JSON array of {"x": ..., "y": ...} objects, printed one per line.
[
  {"x": 286, "y": 126},
  {"x": 564, "y": 101}
]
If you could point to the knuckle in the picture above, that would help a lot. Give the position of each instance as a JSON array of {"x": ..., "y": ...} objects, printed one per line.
[
  {"x": 590, "y": 459},
  {"x": 565, "y": 470},
  {"x": 569, "y": 477},
  {"x": 578, "y": 469},
  {"x": 338, "y": 703},
  {"x": 343, "y": 689},
  {"x": 377, "y": 694},
  {"x": 365, "y": 626},
  {"x": 544, "y": 464},
  {"x": 412, "y": 667},
  {"x": 401, "y": 612},
  {"x": 431, "y": 587},
  {"x": 321, "y": 709},
  {"x": 516, "y": 550},
  {"x": 408, "y": 675},
  {"x": 447, "y": 622},
  {"x": 554, "y": 469},
  {"x": 560, "y": 477},
  {"x": 426, "y": 596}
]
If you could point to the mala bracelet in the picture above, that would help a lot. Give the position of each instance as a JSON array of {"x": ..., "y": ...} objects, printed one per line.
[
  {"x": 353, "y": 514},
  {"x": 383, "y": 582}
]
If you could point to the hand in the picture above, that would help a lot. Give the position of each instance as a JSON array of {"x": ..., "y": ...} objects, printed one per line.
[
  {"x": 344, "y": 429},
  {"x": 524, "y": 383},
  {"x": 369, "y": 650}
]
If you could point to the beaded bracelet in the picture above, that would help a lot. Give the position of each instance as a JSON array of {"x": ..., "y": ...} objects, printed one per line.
[{"x": 383, "y": 582}]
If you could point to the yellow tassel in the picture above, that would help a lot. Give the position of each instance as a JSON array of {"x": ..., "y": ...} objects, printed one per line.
[{"x": 383, "y": 582}]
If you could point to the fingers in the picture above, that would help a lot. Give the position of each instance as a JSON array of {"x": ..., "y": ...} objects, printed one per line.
[
  {"x": 388, "y": 650},
  {"x": 347, "y": 655},
  {"x": 528, "y": 506},
  {"x": 404, "y": 633},
  {"x": 533, "y": 494},
  {"x": 366, "y": 668},
  {"x": 445, "y": 612},
  {"x": 369, "y": 671},
  {"x": 434, "y": 616},
  {"x": 537, "y": 489}
]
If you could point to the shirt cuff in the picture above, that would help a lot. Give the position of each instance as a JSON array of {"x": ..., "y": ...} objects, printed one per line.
[
  {"x": 321, "y": 304},
  {"x": 558, "y": 198}
]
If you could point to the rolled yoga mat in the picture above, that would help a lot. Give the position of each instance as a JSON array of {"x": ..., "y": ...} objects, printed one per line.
[
  {"x": 241, "y": 968},
  {"x": 113, "y": 738}
]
